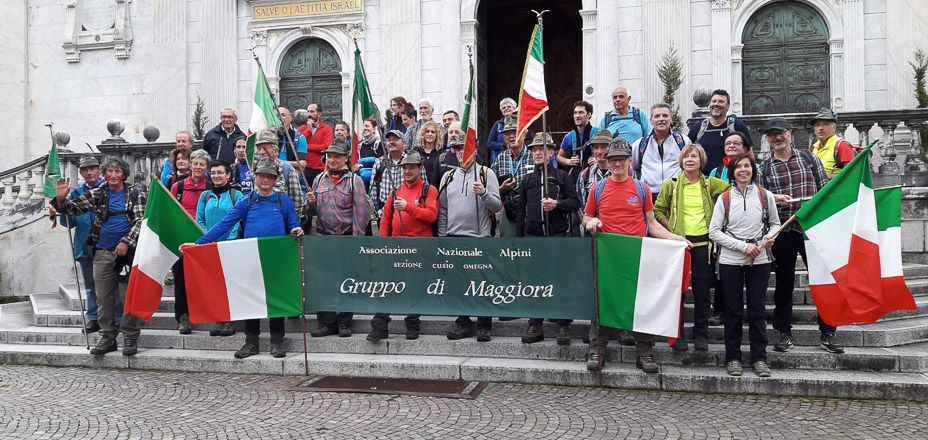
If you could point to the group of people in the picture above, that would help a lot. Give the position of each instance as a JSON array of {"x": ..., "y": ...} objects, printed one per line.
[{"x": 632, "y": 175}]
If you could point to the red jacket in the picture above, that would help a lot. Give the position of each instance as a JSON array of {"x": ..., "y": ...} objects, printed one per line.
[
  {"x": 418, "y": 216},
  {"x": 315, "y": 143},
  {"x": 191, "y": 195}
]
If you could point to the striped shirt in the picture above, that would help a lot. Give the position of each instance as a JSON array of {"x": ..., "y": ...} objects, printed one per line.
[
  {"x": 341, "y": 205},
  {"x": 800, "y": 176}
]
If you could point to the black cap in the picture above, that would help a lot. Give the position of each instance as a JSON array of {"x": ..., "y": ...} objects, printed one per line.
[{"x": 778, "y": 124}]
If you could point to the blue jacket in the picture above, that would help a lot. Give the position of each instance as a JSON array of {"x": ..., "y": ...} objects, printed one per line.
[
  {"x": 166, "y": 172},
  {"x": 217, "y": 138},
  {"x": 496, "y": 141},
  {"x": 81, "y": 223},
  {"x": 264, "y": 216},
  {"x": 212, "y": 208}
]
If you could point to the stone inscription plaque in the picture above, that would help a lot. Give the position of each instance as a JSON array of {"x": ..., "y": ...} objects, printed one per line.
[
  {"x": 306, "y": 8},
  {"x": 98, "y": 15}
]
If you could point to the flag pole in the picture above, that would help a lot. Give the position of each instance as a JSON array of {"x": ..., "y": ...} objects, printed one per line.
[
  {"x": 544, "y": 145},
  {"x": 289, "y": 142},
  {"x": 303, "y": 308},
  {"x": 77, "y": 278}
]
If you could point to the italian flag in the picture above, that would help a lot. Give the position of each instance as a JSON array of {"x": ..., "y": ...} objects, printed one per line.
[
  {"x": 263, "y": 110},
  {"x": 165, "y": 226},
  {"x": 362, "y": 106},
  {"x": 533, "y": 100},
  {"x": 470, "y": 144},
  {"x": 640, "y": 283},
  {"x": 244, "y": 279},
  {"x": 854, "y": 247}
]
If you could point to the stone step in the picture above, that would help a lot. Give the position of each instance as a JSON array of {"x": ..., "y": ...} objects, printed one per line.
[
  {"x": 807, "y": 314},
  {"x": 68, "y": 292},
  {"x": 913, "y": 358},
  {"x": 678, "y": 378},
  {"x": 802, "y": 295}
]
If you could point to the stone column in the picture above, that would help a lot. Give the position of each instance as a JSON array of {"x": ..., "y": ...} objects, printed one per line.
[
  {"x": 401, "y": 56},
  {"x": 454, "y": 72},
  {"x": 722, "y": 47},
  {"x": 853, "y": 49},
  {"x": 169, "y": 71},
  {"x": 590, "y": 59},
  {"x": 219, "y": 56}
]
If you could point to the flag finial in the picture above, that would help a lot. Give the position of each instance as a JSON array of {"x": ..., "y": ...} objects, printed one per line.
[{"x": 539, "y": 14}]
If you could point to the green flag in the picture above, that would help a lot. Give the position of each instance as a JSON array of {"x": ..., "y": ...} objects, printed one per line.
[
  {"x": 52, "y": 171},
  {"x": 250, "y": 150}
]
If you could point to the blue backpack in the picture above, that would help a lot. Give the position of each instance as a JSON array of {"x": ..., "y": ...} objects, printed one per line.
[{"x": 639, "y": 185}]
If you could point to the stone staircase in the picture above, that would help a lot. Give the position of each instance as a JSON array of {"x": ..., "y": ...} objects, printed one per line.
[{"x": 885, "y": 360}]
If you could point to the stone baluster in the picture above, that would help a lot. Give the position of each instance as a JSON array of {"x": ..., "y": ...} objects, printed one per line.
[
  {"x": 38, "y": 183},
  {"x": 22, "y": 179},
  {"x": 6, "y": 203}
]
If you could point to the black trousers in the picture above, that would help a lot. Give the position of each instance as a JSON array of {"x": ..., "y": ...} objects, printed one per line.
[
  {"x": 483, "y": 322},
  {"x": 701, "y": 277},
  {"x": 754, "y": 280},
  {"x": 381, "y": 320},
  {"x": 540, "y": 321},
  {"x": 253, "y": 330},
  {"x": 334, "y": 320},
  {"x": 786, "y": 248},
  {"x": 180, "y": 289}
]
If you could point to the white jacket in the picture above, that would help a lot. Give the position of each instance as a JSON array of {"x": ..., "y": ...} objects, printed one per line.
[{"x": 745, "y": 223}]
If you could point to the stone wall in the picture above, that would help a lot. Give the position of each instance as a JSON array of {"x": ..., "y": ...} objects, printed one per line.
[
  {"x": 915, "y": 225},
  {"x": 13, "y": 80}
]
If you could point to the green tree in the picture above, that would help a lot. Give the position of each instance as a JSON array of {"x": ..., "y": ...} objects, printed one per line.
[
  {"x": 670, "y": 71},
  {"x": 200, "y": 119},
  {"x": 920, "y": 67}
]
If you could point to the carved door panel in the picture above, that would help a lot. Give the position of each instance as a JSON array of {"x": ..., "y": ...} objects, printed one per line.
[
  {"x": 310, "y": 73},
  {"x": 785, "y": 61}
]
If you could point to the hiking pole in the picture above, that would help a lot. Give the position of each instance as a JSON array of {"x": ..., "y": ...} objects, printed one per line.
[
  {"x": 80, "y": 297},
  {"x": 303, "y": 308}
]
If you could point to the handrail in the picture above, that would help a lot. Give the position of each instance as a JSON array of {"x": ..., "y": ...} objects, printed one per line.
[{"x": 23, "y": 167}]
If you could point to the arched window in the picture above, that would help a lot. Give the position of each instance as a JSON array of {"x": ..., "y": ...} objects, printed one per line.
[
  {"x": 785, "y": 60},
  {"x": 310, "y": 74}
]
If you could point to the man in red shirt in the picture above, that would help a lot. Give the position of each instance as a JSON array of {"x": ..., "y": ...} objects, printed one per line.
[
  {"x": 622, "y": 205},
  {"x": 318, "y": 137},
  {"x": 409, "y": 211}
]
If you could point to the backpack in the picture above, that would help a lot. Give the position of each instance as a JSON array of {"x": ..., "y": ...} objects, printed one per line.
[
  {"x": 425, "y": 192},
  {"x": 483, "y": 180},
  {"x": 762, "y": 194},
  {"x": 643, "y": 146},
  {"x": 252, "y": 199},
  {"x": 639, "y": 185},
  {"x": 704, "y": 125},
  {"x": 303, "y": 185},
  {"x": 636, "y": 116},
  {"x": 854, "y": 149},
  {"x": 180, "y": 190}
]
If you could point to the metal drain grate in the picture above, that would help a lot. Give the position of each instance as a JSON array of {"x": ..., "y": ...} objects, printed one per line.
[{"x": 457, "y": 389}]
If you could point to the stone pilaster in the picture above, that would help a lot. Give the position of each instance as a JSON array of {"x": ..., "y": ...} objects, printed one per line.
[
  {"x": 402, "y": 42},
  {"x": 219, "y": 57},
  {"x": 722, "y": 68},
  {"x": 853, "y": 45},
  {"x": 169, "y": 79}
]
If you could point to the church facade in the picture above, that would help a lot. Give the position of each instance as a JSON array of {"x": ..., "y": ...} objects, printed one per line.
[{"x": 81, "y": 63}]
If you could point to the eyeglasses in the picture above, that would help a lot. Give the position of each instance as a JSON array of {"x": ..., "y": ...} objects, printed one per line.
[{"x": 735, "y": 143}]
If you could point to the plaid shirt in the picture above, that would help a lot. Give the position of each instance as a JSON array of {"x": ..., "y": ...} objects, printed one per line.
[
  {"x": 95, "y": 201},
  {"x": 592, "y": 177},
  {"x": 390, "y": 178},
  {"x": 507, "y": 165},
  {"x": 800, "y": 176},
  {"x": 291, "y": 187},
  {"x": 342, "y": 206}
]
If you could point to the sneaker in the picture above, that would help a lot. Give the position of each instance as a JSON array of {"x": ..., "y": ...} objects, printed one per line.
[
  {"x": 594, "y": 362},
  {"x": 733, "y": 368},
  {"x": 716, "y": 319},
  {"x": 679, "y": 345},
  {"x": 830, "y": 343},
  {"x": 217, "y": 328},
  {"x": 344, "y": 332},
  {"x": 246, "y": 351},
  {"x": 533, "y": 333},
  {"x": 92, "y": 326},
  {"x": 563, "y": 335},
  {"x": 322, "y": 331},
  {"x": 227, "y": 329},
  {"x": 626, "y": 338},
  {"x": 701, "y": 343},
  {"x": 106, "y": 345},
  {"x": 277, "y": 350},
  {"x": 483, "y": 335},
  {"x": 377, "y": 334},
  {"x": 130, "y": 347},
  {"x": 183, "y": 324},
  {"x": 460, "y": 332},
  {"x": 646, "y": 363},
  {"x": 169, "y": 281},
  {"x": 761, "y": 369},
  {"x": 785, "y": 343},
  {"x": 412, "y": 334}
]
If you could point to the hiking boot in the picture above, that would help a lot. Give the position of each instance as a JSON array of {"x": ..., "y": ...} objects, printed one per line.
[
  {"x": 344, "y": 332},
  {"x": 830, "y": 343},
  {"x": 277, "y": 350},
  {"x": 105, "y": 345},
  {"x": 646, "y": 363},
  {"x": 701, "y": 343},
  {"x": 227, "y": 329},
  {"x": 460, "y": 332},
  {"x": 483, "y": 335},
  {"x": 563, "y": 335},
  {"x": 130, "y": 347},
  {"x": 92, "y": 327},
  {"x": 377, "y": 334},
  {"x": 716, "y": 319},
  {"x": 733, "y": 368},
  {"x": 785, "y": 343},
  {"x": 322, "y": 331},
  {"x": 217, "y": 329},
  {"x": 586, "y": 338},
  {"x": 533, "y": 333},
  {"x": 594, "y": 361},
  {"x": 679, "y": 345},
  {"x": 412, "y": 334},
  {"x": 183, "y": 324},
  {"x": 626, "y": 338},
  {"x": 246, "y": 351},
  {"x": 761, "y": 369}
]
